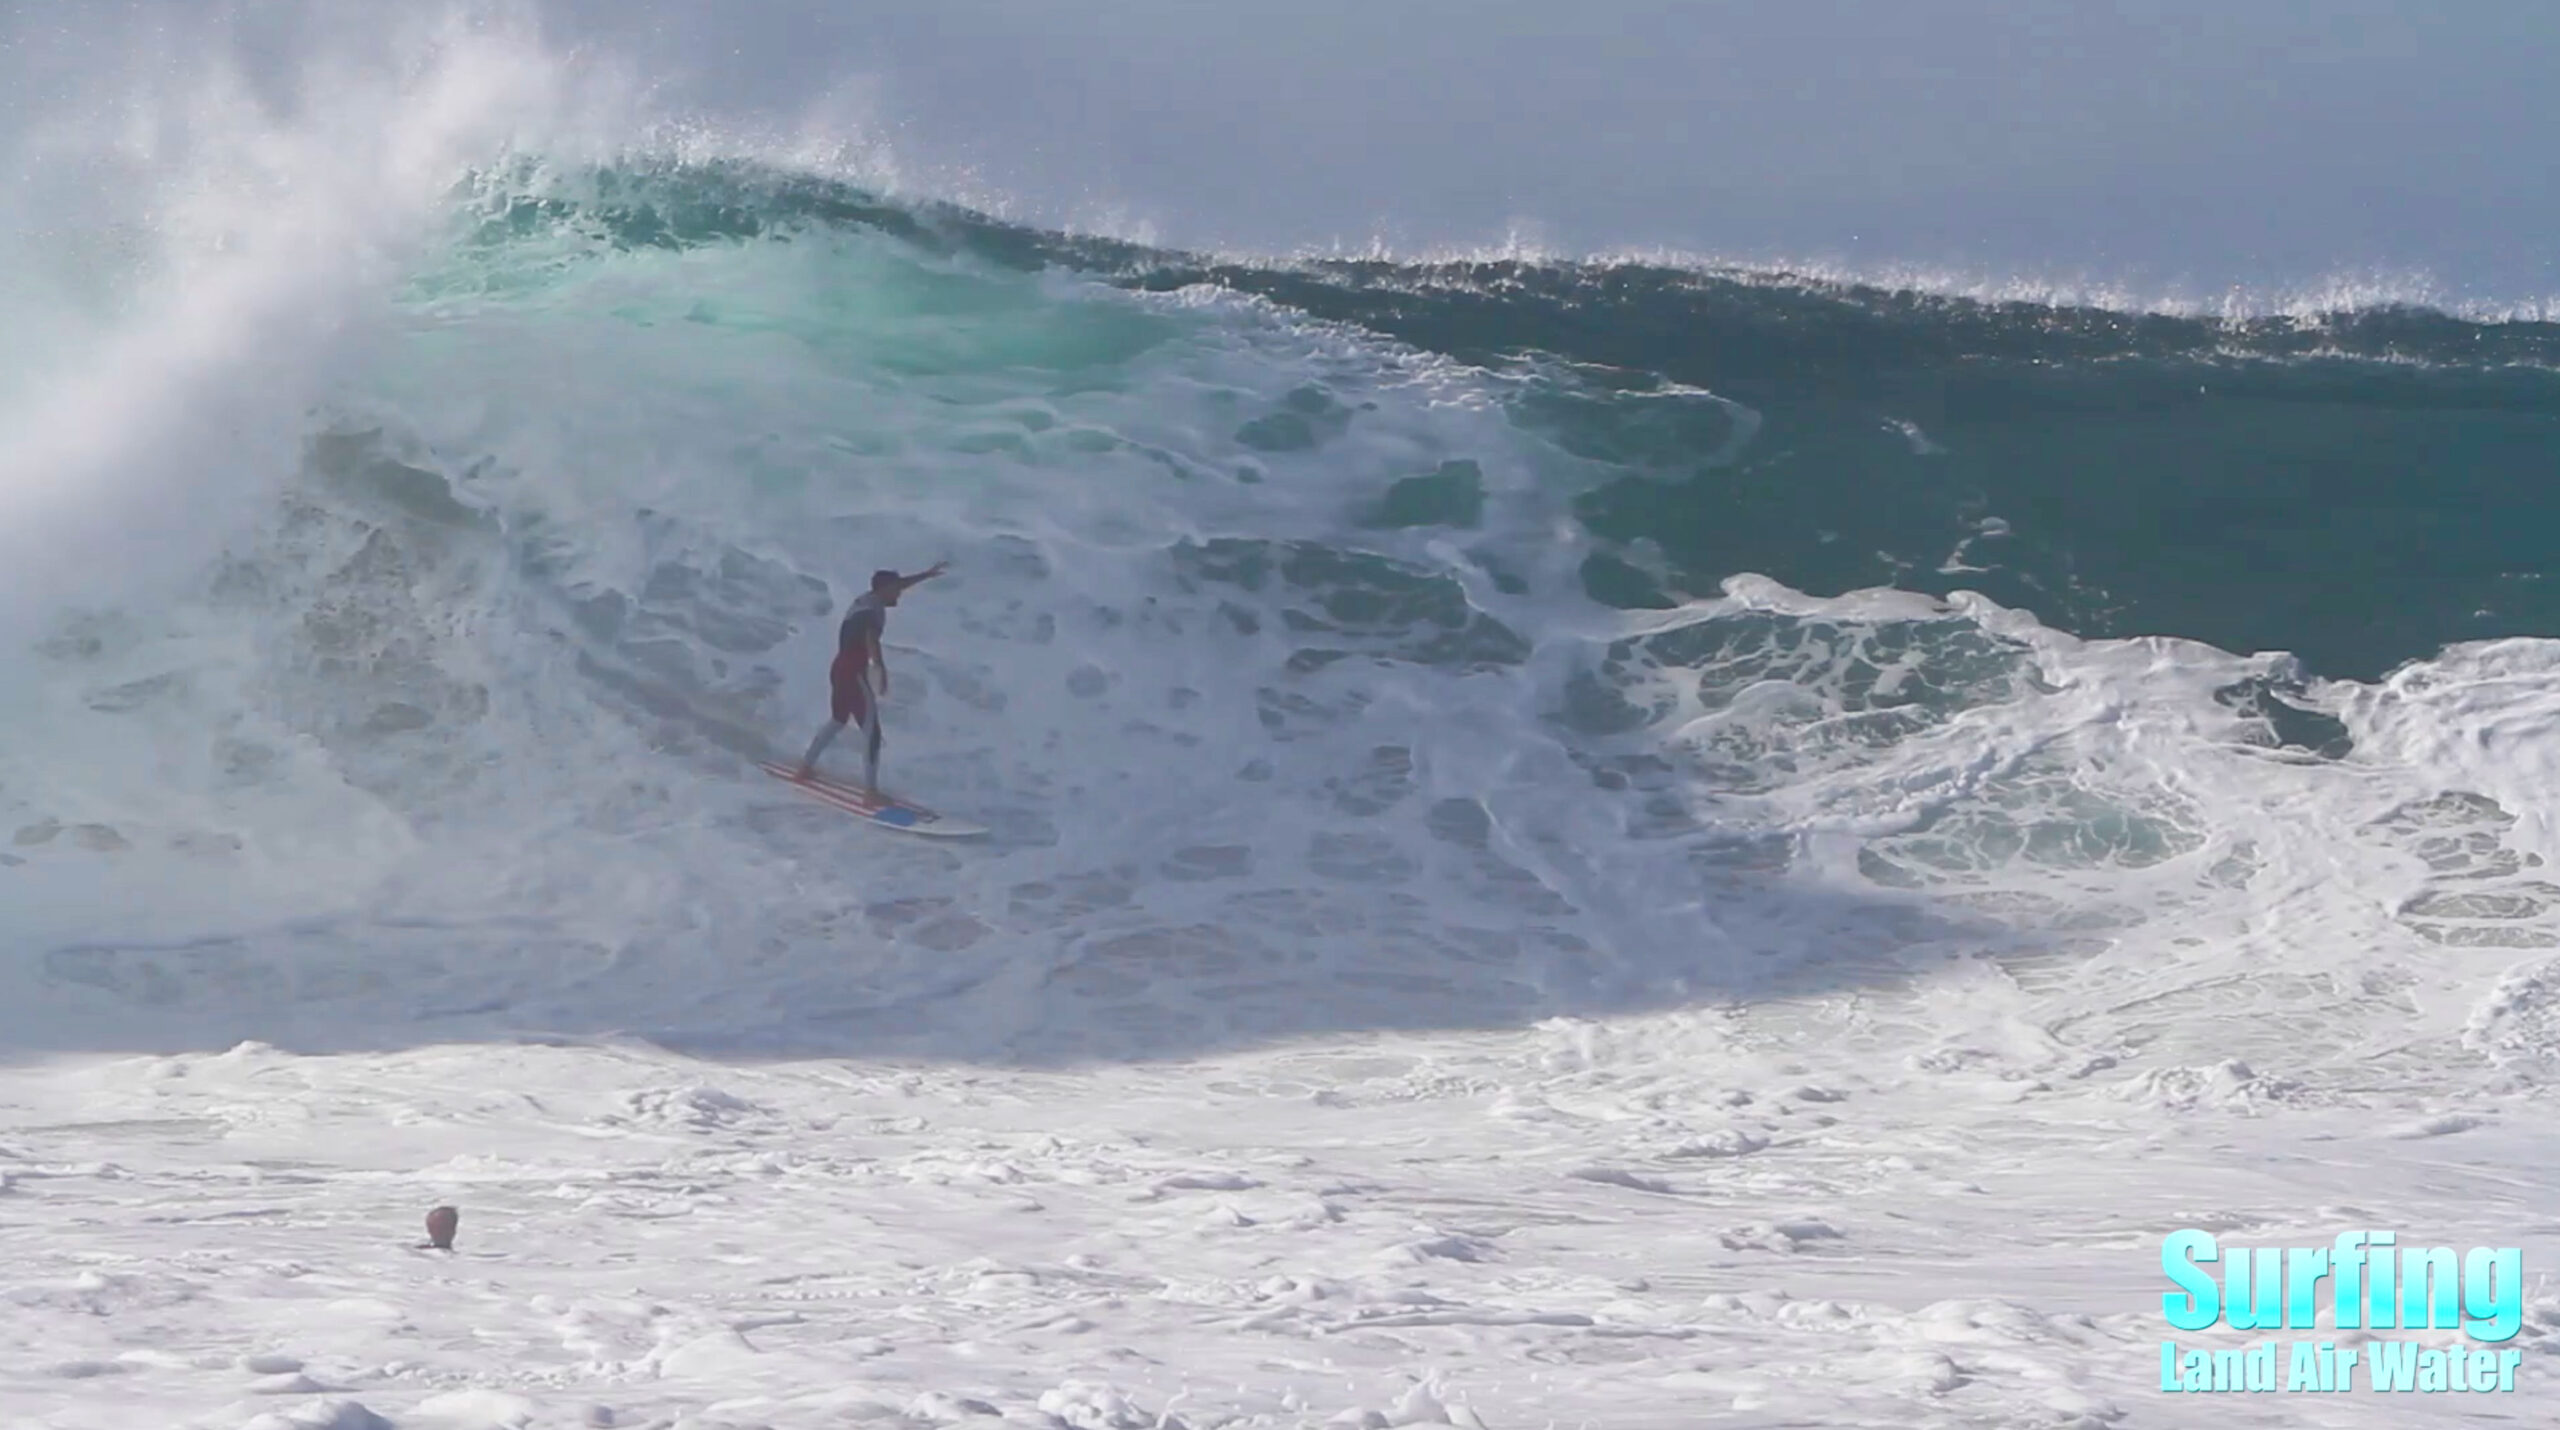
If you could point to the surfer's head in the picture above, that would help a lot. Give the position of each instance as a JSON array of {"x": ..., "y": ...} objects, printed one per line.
[{"x": 886, "y": 585}]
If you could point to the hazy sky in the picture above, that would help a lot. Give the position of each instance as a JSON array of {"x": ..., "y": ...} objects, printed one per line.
[
  {"x": 2171, "y": 144},
  {"x": 2209, "y": 141}
]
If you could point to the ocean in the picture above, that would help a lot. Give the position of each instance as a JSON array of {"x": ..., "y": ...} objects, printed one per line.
[
  {"x": 2146, "y": 709},
  {"x": 1533, "y": 618}
]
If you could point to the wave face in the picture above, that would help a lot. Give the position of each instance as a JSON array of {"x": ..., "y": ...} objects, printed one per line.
[
  {"x": 1330, "y": 646},
  {"x": 2308, "y": 483}
]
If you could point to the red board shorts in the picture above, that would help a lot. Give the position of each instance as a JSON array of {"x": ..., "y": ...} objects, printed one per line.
[{"x": 852, "y": 690}]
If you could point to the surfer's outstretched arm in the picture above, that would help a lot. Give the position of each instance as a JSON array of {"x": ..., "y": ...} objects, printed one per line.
[{"x": 889, "y": 586}]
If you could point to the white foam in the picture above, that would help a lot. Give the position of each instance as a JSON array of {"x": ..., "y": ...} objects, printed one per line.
[{"x": 252, "y": 217}]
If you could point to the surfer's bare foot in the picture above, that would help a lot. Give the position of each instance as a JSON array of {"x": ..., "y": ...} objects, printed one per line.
[{"x": 804, "y": 772}]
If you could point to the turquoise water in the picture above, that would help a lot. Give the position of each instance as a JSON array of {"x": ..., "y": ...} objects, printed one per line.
[{"x": 2359, "y": 488}]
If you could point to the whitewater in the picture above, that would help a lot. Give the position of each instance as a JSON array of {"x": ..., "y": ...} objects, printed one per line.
[{"x": 1571, "y": 844}]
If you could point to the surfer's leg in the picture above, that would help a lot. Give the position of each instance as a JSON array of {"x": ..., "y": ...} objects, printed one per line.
[
  {"x": 826, "y": 735},
  {"x": 849, "y": 699},
  {"x": 871, "y": 755}
]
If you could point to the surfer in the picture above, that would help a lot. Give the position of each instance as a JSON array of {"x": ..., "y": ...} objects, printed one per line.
[{"x": 857, "y": 650}]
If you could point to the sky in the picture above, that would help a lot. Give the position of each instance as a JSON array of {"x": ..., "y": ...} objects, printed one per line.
[
  {"x": 2172, "y": 147},
  {"x": 2196, "y": 143}
]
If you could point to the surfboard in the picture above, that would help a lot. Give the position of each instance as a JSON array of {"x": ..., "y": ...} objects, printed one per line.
[{"x": 889, "y": 811}]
